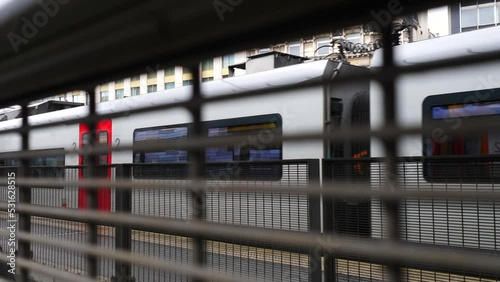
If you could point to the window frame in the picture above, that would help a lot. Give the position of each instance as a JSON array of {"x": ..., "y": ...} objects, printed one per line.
[
  {"x": 179, "y": 169},
  {"x": 38, "y": 170},
  {"x": 356, "y": 35},
  {"x": 169, "y": 83},
  {"x": 135, "y": 88},
  {"x": 207, "y": 65},
  {"x": 433, "y": 171},
  {"x": 293, "y": 44},
  {"x": 187, "y": 82},
  {"x": 106, "y": 96},
  {"x": 476, "y": 7},
  {"x": 152, "y": 87},
  {"x": 122, "y": 91},
  {"x": 320, "y": 40},
  {"x": 227, "y": 60}
]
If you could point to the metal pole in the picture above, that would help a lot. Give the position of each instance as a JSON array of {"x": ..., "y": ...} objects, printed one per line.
[
  {"x": 196, "y": 170},
  {"x": 123, "y": 233},
  {"x": 328, "y": 228},
  {"x": 315, "y": 264},
  {"x": 92, "y": 193},
  {"x": 24, "y": 193},
  {"x": 390, "y": 147}
]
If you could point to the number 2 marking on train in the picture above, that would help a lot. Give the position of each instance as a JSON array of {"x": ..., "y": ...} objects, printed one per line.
[
  {"x": 74, "y": 146},
  {"x": 117, "y": 142}
]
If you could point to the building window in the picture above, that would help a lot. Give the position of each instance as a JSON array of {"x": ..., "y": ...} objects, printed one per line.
[
  {"x": 486, "y": 15},
  {"x": 134, "y": 91},
  {"x": 320, "y": 43},
  {"x": 152, "y": 88},
  {"x": 498, "y": 12},
  {"x": 104, "y": 96},
  {"x": 227, "y": 60},
  {"x": 169, "y": 85},
  {"x": 135, "y": 78},
  {"x": 119, "y": 81},
  {"x": 468, "y": 17},
  {"x": 75, "y": 98},
  {"x": 152, "y": 74},
  {"x": 474, "y": 16},
  {"x": 207, "y": 65},
  {"x": 294, "y": 48},
  {"x": 205, "y": 79},
  {"x": 354, "y": 38},
  {"x": 120, "y": 93},
  {"x": 187, "y": 82},
  {"x": 169, "y": 71}
]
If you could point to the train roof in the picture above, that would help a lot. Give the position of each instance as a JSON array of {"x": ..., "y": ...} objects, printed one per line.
[
  {"x": 289, "y": 75},
  {"x": 446, "y": 47}
]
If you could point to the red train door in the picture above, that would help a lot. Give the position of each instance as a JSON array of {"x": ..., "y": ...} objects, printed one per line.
[{"x": 103, "y": 138}]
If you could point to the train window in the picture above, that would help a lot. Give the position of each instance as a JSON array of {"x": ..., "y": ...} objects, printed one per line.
[
  {"x": 141, "y": 136},
  {"x": 50, "y": 165},
  {"x": 102, "y": 139},
  {"x": 255, "y": 149},
  {"x": 451, "y": 111},
  {"x": 260, "y": 130}
]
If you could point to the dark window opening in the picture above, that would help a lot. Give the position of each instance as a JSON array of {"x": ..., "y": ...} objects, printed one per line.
[
  {"x": 450, "y": 112},
  {"x": 259, "y": 131},
  {"x": 51, "y": 165}
]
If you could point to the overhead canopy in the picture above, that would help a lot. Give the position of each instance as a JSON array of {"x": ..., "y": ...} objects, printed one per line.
[{"x": 64, "y": 45}]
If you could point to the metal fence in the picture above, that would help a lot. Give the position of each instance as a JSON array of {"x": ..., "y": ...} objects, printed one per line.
[
  {"x": 246, "y": 259},
  {"x": 451, "y": 224}
]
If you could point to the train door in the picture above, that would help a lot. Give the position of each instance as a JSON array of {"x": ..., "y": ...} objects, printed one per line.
[
  {"x": 351, "y": 217},
  {"x": 102, "y": 136}
]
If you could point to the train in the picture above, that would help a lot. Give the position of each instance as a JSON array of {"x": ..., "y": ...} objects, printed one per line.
[{"x": 450, "y": 95}]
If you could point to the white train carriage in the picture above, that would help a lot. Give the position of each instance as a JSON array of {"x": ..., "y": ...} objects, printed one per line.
[
  {"x": 453, "y": 97},
  {"x": 261, "y": 118}
]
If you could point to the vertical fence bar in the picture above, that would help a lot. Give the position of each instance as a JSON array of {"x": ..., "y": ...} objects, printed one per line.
[
  {"x": 196, "y": 170},
  {"x": 330, "y": 274},
  {"x": 315, "y": 264},
  {"x": 389, "y": 99},
  {"x": 92, "y": 193},
  {"x": 123, "y": 233},
  {"x": 24, "y": 192}
]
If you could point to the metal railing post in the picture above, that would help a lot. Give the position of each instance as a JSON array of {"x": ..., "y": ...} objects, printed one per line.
[
  {"x": 123, "y": 233},
  {"x": 24, "y": 194},
  {"x": 92, "y": 260},
  {"x": 315, "y": 254},
  {"x": 328, "y": 220},
  {"x": 196, "y": 171},
  {"x": 389, "y": 99}
]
